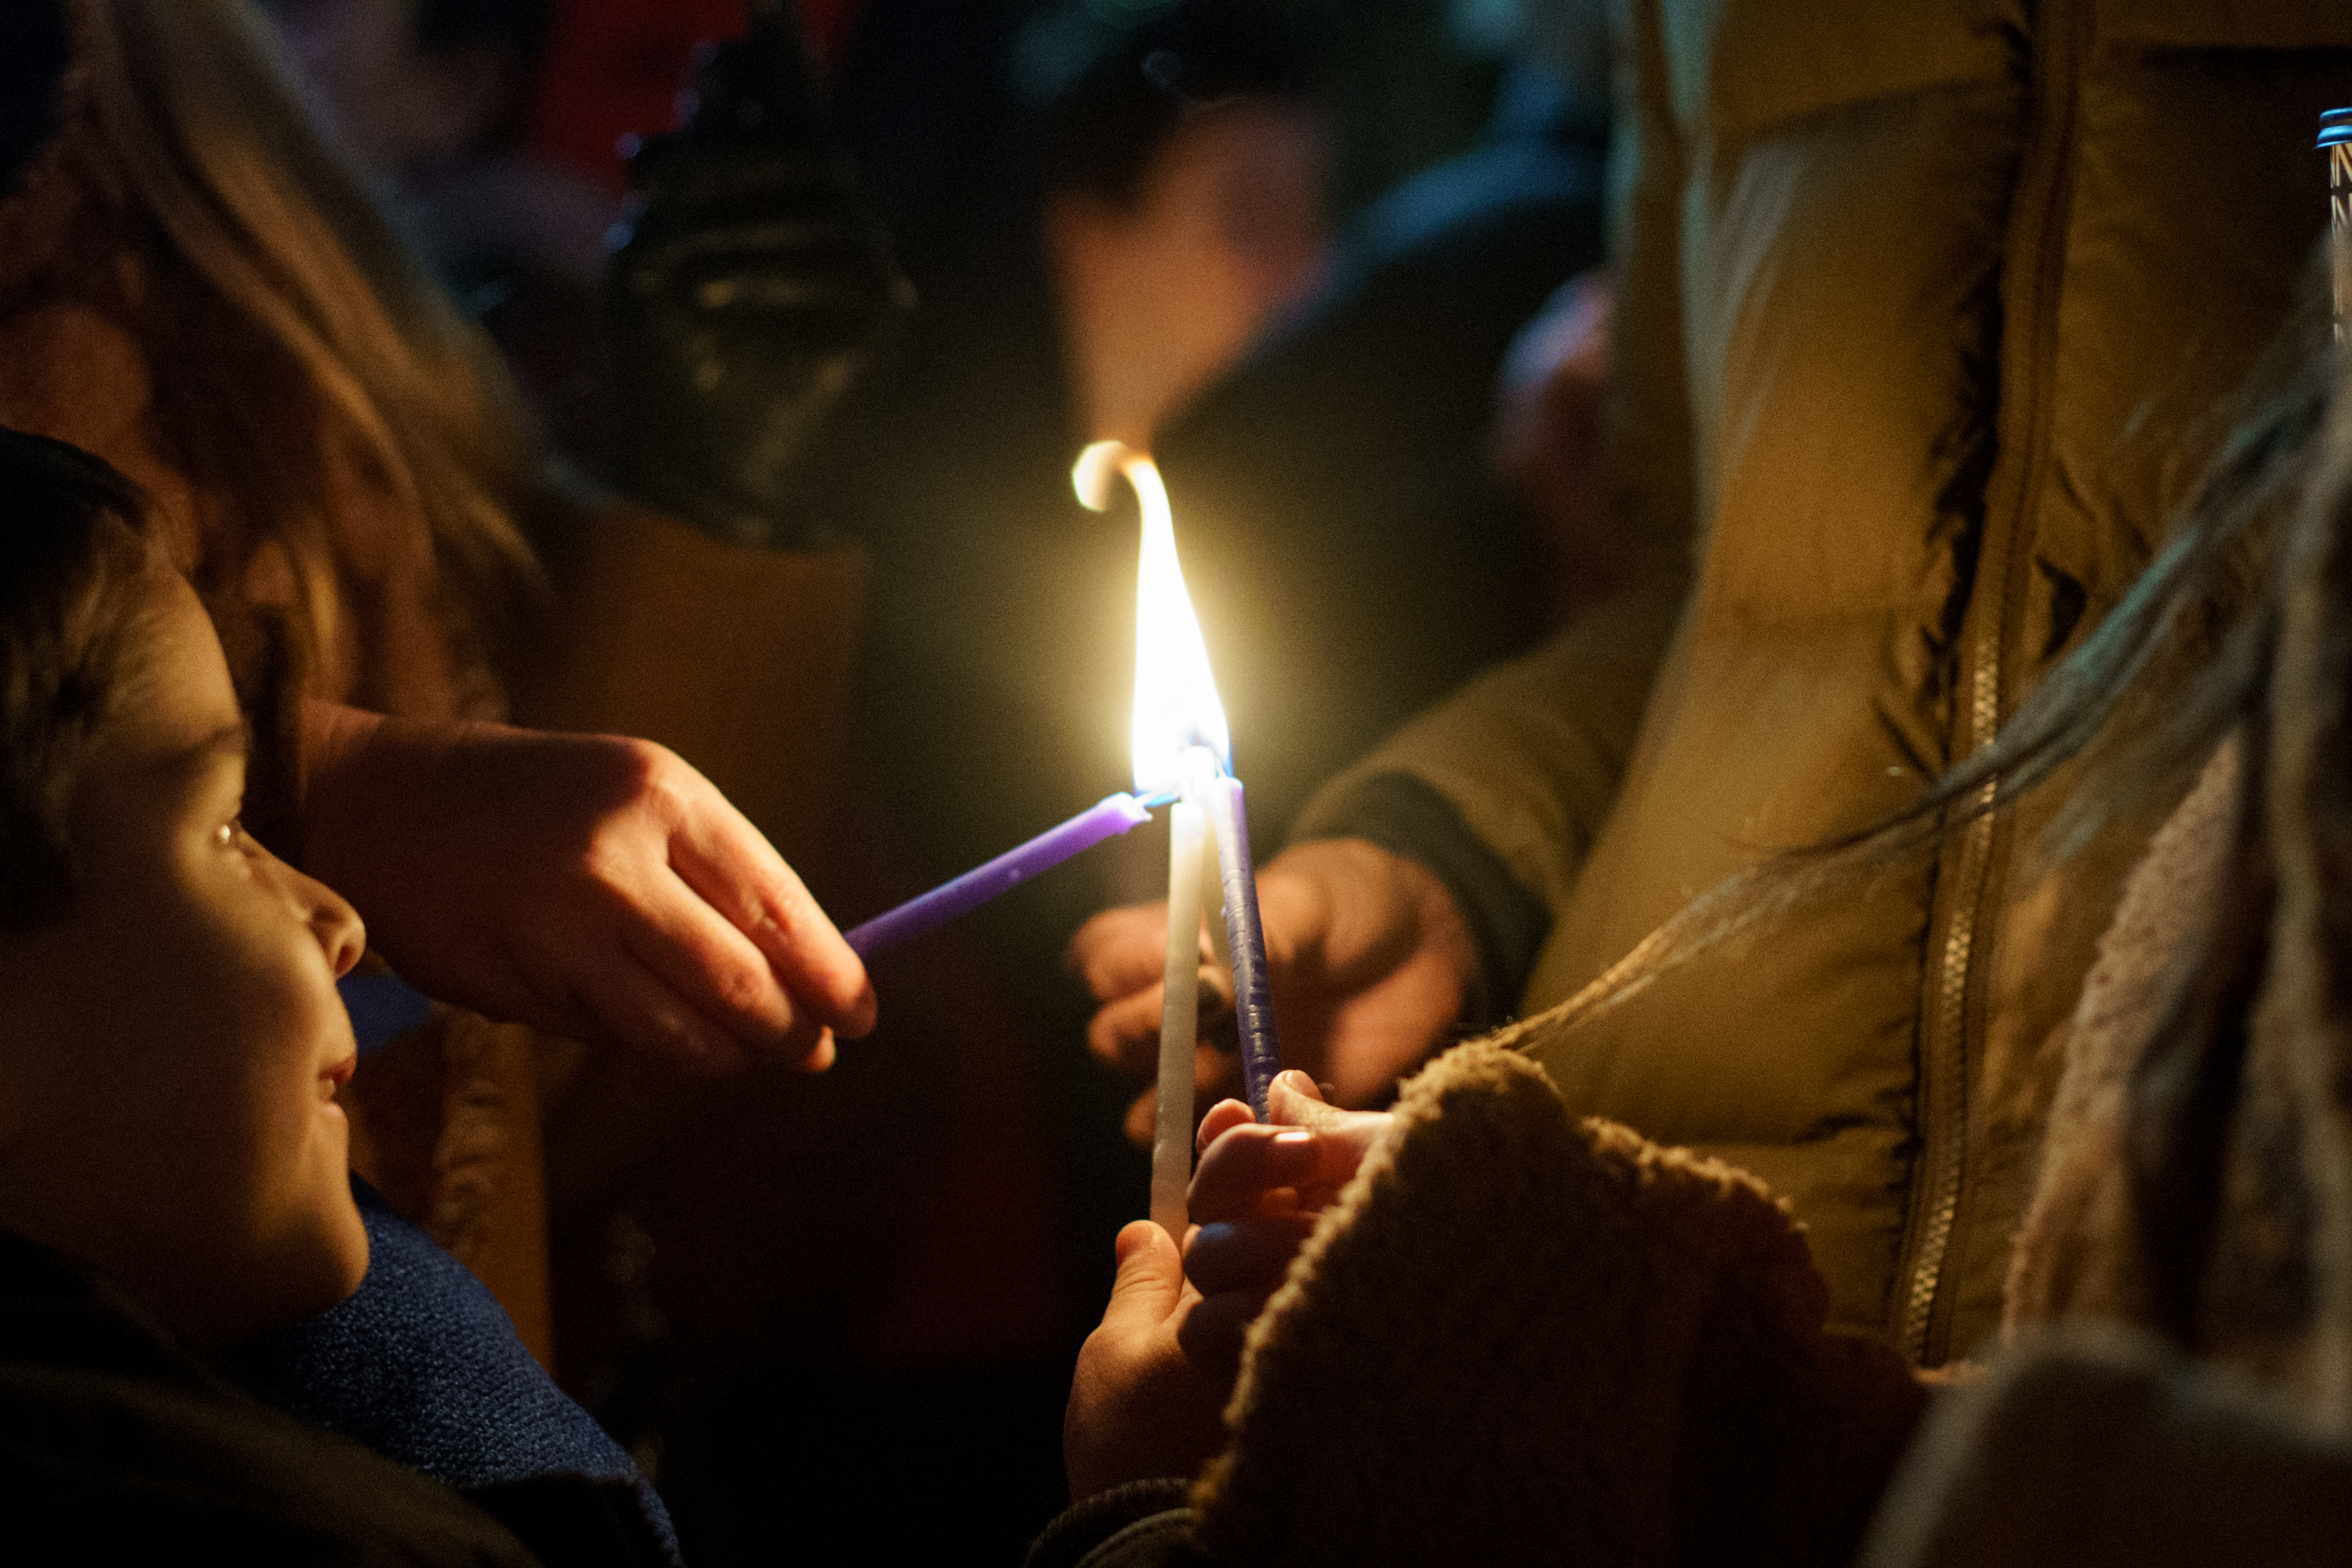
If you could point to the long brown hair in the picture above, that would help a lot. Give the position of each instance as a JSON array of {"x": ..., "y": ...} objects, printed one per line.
[{"x": 284, "y": 291}]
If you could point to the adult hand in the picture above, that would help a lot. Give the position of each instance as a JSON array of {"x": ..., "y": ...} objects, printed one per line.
[
  {"x": 589, "y": 885},
  {"x": 1256, "y": 1195},
  {"x": 1368, "y": 961}
]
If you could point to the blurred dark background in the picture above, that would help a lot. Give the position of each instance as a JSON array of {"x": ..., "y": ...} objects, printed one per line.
[{"x": 1289, "y": 246}]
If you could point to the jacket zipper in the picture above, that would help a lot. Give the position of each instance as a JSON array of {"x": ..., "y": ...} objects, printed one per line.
[{"x": 2060, "y": 43}]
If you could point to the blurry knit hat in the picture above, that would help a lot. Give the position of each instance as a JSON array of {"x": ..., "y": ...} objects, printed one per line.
[
  {"x": 1111, "y": 79},
  {"x": 33, "y": 49}
]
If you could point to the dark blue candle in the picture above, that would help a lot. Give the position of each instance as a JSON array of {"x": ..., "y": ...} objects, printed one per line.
[{"x": 1253, "y": 1008}]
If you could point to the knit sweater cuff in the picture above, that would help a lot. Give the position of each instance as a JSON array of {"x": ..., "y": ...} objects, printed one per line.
[
  {"x": 1508, "y": 924},
  {"x": 1096, "y": 1521}
]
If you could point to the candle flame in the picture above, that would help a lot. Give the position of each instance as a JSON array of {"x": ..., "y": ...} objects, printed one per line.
[{"x": 1176, "y": 705}]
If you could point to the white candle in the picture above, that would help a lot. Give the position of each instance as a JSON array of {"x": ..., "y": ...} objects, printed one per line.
[
  {"x": 1178, "y": 742},
  {"x": 1212, "y": 903},
  {"x": 1179, "y": 1016}
]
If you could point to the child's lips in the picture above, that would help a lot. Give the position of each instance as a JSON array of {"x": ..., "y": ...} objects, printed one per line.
[{"x": 341, "y": 1073}]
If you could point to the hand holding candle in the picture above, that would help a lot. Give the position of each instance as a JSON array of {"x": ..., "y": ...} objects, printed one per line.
[{"x": 1372, "y": 960}]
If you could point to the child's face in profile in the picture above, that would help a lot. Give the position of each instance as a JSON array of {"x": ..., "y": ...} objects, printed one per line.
[{"x": 173, "y": 1044}]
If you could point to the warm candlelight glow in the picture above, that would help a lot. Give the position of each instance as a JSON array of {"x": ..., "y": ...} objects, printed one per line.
[{"x": 1176, "y": 704}]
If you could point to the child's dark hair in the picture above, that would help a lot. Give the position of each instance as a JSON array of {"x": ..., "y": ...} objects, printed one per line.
[{"x": 73, "y": 541}]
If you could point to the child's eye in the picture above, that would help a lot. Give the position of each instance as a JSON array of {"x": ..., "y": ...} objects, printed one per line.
[{"x": 229, "y": 832}]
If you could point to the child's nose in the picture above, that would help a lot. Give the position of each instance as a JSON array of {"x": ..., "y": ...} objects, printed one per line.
[{"x": 340, "y": 934}]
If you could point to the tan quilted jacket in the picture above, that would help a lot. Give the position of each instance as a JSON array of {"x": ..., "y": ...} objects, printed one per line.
[{"x": 1905, "y": 291}]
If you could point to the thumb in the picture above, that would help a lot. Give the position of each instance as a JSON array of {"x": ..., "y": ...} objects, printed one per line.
[
  {"x": 1150, "y": 1279},
  {"x": 1294, "y": 1099},
  {"x": 1342, "y": 1138},
  {"x": 1297, "y": 1099}
]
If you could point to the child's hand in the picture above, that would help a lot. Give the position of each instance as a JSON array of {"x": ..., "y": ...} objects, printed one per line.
[
  {"x": 1143, "y": 1404},
  {"x": 1256, "y": 1196},
  {"x": 1153, "y": 1379},
  {"x": 589, "y": 885}
]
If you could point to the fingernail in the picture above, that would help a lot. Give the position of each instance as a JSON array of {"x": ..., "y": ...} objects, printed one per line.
[{"x": 1296, "y": 1135}]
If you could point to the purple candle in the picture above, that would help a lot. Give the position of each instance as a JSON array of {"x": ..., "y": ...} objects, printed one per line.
[{"x": 945, "y": 902}]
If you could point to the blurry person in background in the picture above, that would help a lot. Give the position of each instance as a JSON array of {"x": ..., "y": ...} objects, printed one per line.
[
  {"x": 1352, "y": 547},
  {"x": 1544, "y": 445},
  {"x": 1184, "y": 161},
  {"x": 434, "y": 97},
  {"x": 416, "y": 86}
]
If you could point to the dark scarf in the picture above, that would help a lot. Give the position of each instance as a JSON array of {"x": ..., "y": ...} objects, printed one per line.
[{"x": 421, "y": 1366}]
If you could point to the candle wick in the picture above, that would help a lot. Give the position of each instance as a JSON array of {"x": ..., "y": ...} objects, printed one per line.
[{"x": 1197, "y": 767}]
